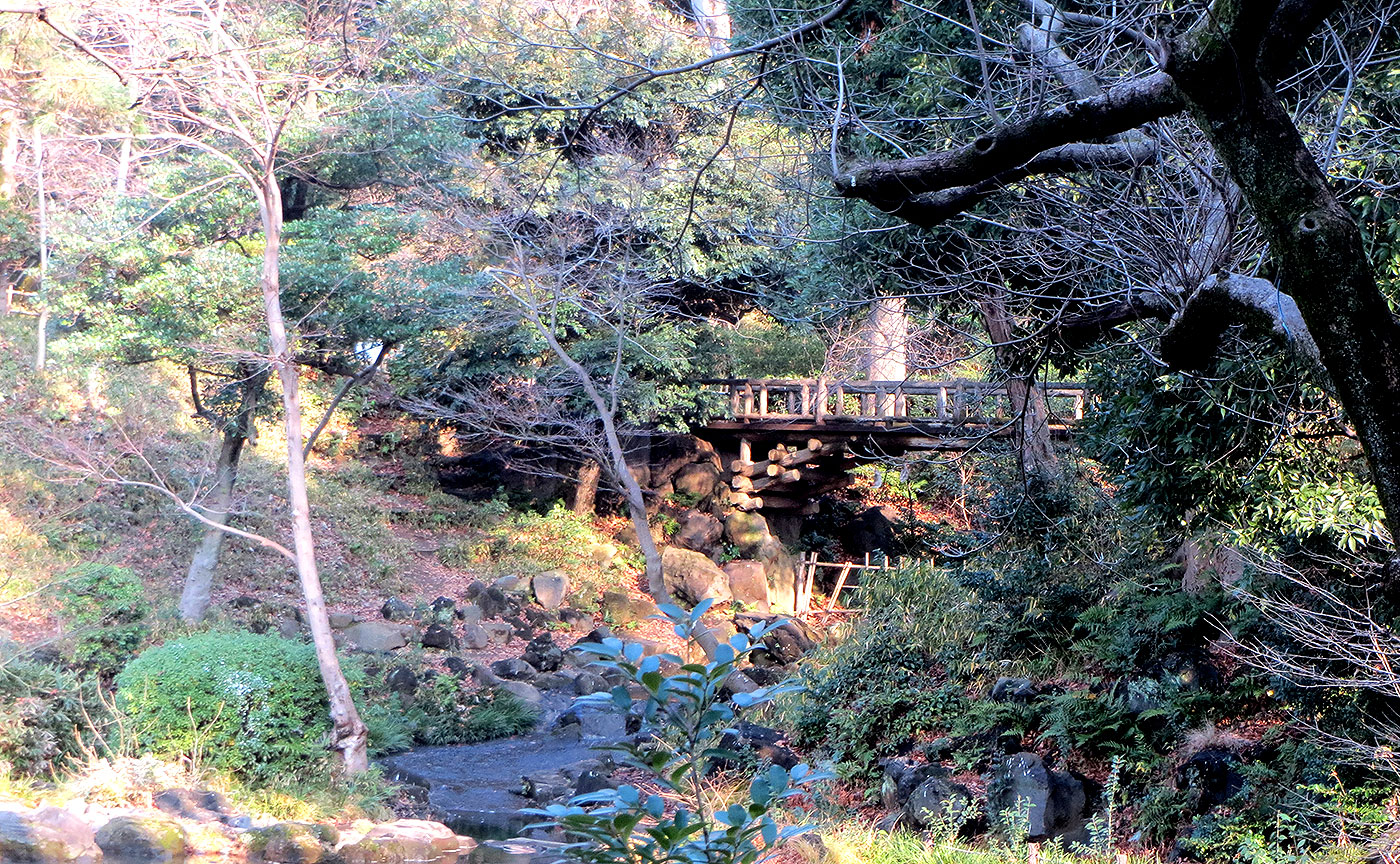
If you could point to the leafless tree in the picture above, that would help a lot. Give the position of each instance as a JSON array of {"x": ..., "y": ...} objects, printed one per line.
[
  {"x": 1220, "y": 77},
  {"x": 230, "y": 90}
]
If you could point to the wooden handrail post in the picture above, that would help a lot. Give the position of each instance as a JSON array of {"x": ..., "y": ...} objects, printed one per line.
[
  {"x": 763, "y": 399},
  {"x": 820, "y": 414}
]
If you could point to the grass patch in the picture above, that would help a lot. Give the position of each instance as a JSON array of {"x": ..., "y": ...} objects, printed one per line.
[
  {"x": 524, "y": 544},
  {"x": 850, "y": 844}
]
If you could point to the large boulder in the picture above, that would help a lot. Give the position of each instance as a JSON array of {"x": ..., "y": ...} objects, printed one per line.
[
  {"x": 1049, "y": 804},
  {"x": 499, "y": 632},
  {"x": 1013, "y": 690},
  {"x": 765, "y": 743},
  {"x": 902, "y": 778},
  {"x": 700, "y": 532},
  {"x": 1207, "y": 560},
  {"x": 693, "y": 577},
  {"x": 401, "y": 680},
  {"x": 587, "y": 683},
  {"x": 439, "y": 636},
  {"x": 595, "y": 719},
  {"x": 550, "y": 588},
  {"x": 698, "y": 480},
  {"x": 48, "y": 836},
  {"x": 784, "y": 645},
  {"x": 494, "y": 602},
  {"x": 525, "y": 692},
  {"x": 153, "y": 839},
  {"x": 514, "y": 669},
  {"x": 475, "y": 637},
  {"x": 750, "y": 535},
  {"x": 377, "y": 636},
  {"x": 395, "y": 609},
  {"x": 293, "y": 843},
  {"x": 748, "y": 584},
  {"x": 872, "y": 531},
  {"x": 620, "y": 607},
  {"x": 198, "y": 805},
  {"x": 404, "y": 841},
  {"x": 1213, "y": 775},
  {"x": 939, "y": 802}
]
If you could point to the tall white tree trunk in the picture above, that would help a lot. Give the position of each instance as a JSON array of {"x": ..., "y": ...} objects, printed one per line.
[
  {"x": 886, "y": 345},
  {"x": 712, "y": 20},
  {"x": 9, "y": 153},
  {"x": 350, "y": 736},
  {"x": 123, "y": 167},
  {"x": 41, "y": 328}
]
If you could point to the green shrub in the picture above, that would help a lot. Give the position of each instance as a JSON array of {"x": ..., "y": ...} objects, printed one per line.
[
  {"x": 46, "y": 717},
  {"x": 107, "y": 607},
  {"x": 873, "y": 694},
  {"x": 446, "y": 714},
  {"x": 389, "y": 730},
  {"x": 253, "y": 705}
]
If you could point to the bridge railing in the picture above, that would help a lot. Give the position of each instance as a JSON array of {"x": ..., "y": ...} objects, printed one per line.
[{"x": 828, "y": 399}]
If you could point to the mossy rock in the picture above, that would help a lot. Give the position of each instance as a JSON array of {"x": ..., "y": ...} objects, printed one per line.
[
  {"x": 293, "y": 843},
  {"x": 142, "y": 840},
  {"x": 48, "y": 836},
  {"x": 404, "y": 841}
]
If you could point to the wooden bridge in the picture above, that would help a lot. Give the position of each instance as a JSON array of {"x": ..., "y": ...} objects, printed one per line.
[
  {"x": 815, "y": 403},
  {"x": 814, "y": 430}
]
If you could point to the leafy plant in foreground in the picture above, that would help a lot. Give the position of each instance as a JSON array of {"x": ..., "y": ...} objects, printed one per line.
[{"x": 688, "y": 719}]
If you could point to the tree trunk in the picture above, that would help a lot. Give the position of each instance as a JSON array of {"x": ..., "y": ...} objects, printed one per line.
[
  {"x": 199, "y": 579},
  {"x": 586, "y": 492},
  {"x": 712, "y": 20},
  {"x": 9, "y": 153},
  {"x": 1322, "y": 258},
  {"x": 41, "y": 327},
  {"x": 631, "y": 493},
  {"x": 1035, "y": 449},
  {"x": 123, "y": 167},
  {"x": 350, "y": 735},
  {"x": 886, "y": 338}
]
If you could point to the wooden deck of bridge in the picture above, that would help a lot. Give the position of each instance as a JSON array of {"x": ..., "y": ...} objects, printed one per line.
[
  {"x": 951, "y": 414},
  {"x": 786, "y": 442}
]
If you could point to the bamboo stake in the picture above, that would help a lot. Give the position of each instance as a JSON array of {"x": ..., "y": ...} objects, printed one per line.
[{"x": 840, "y": 583}]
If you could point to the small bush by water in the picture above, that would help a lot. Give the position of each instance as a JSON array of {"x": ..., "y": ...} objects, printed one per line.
[
  {"x": 250, "y": 704},
  {"x": 44, "y": 715}
]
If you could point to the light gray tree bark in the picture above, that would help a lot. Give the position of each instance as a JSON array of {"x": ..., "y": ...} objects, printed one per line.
[
  {"x": 350, "y": 736},
  {"x": 237, "y": 431},
  {"x": 885, "y": 344}
]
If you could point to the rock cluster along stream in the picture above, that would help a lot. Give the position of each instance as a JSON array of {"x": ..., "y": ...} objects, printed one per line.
[
  {"x": 171, "y": 833},
  {"x": 476, "y": 794}
]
